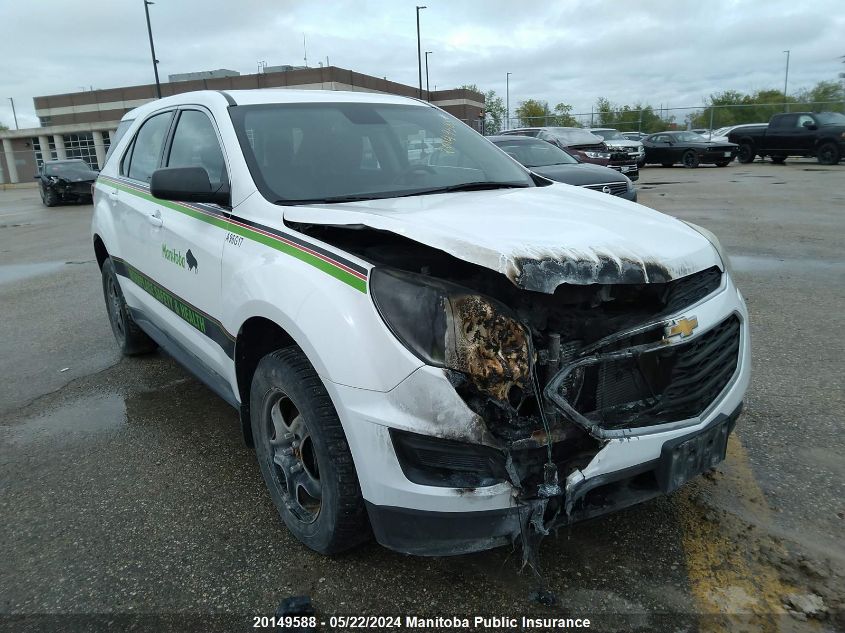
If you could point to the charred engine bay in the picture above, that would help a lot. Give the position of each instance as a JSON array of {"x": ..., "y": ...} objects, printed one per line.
[{"x": 502, "y": 376}]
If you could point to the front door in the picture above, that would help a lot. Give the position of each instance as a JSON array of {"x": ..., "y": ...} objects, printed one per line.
[{"x": 189, "y": 244}]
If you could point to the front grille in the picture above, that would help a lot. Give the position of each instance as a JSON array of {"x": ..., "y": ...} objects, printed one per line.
[
  {"x": 616, "y": 188},
  {"x": 661, "y": 385}
]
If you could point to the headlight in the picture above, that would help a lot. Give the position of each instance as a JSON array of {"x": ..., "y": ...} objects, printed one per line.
[
  {"x": 598, "y": 154},
  {"x": 450, "y": 326},
  {"x": 711, "y": 237}
]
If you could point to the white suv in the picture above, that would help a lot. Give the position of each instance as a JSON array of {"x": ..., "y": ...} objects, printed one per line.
[{"x": 436, "y": 354}]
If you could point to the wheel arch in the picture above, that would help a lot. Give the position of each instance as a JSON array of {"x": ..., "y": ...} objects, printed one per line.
[
  {"x": 257, "y": 337},
  {"x": 100, "y": 250}
]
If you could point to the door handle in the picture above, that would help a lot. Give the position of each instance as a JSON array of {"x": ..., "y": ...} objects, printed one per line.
[{"x": 155, "y": 219}]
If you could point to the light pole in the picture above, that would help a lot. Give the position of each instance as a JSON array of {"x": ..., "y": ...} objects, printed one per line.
[
  {"x": 14, "y": 114},
  {"x": 785, "y": 83},
  {"x": 428, "y": 92},
  {"x": 147, "y": 4},
  {"x": 419, "y": 49},
  {"x": 508, "y": 101}
]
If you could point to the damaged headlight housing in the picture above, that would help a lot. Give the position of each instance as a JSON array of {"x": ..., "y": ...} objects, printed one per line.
[{"x": 449, "y": 326}]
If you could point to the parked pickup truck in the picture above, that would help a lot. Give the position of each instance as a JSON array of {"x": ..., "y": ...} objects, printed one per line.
[{"x": 819, "y": 134}]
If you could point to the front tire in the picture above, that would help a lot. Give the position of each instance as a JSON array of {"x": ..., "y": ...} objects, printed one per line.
[
  {"x": 828, "y": 154},
  {"x": 303, "y": 454},
  {"x": 690, "y": 159},
  {"x": 49, "y": 198},
  {"x": 131, "y": 338}
]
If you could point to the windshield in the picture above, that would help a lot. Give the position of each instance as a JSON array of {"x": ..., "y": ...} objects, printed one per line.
[
  {"x": 690, "y": 137},
  {"x": 75, "y": 169},
  {"x": 831, "y": 118},
  {"x": 333, "y": 152},
  {"x": 609, "y": 135},
  {"x": 536, "y": 153}
]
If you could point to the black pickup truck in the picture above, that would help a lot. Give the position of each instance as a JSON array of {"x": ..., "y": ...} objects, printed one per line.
[{"x": 819, "y": 134}]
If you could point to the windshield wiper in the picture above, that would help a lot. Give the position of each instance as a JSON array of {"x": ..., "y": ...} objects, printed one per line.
[
  {"x": 329, "y": 200},
  {"x": 467, "y": 186}
]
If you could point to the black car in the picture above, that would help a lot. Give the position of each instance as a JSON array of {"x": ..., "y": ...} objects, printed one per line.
[
  {"x": 65, "y": 181},
  {"x": 688, "y": 148},
  {"x": 557, "y": 164}
]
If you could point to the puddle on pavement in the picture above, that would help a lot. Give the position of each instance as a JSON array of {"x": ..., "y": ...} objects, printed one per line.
[
  {"x": 10, "y": 273},
  {"x": 88, "y": 415},
  {"x": 757, "y": 264}
]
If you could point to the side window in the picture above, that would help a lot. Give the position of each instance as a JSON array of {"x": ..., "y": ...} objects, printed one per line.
[
  {"x": 121, "y": 130},
  {"x": 195, "y": 144},
  {"x": 146, "y": 150},
  {"x": 783, "y": 122}
]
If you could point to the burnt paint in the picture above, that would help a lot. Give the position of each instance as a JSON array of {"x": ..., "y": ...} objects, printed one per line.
[{"x": 544, "y": 275}]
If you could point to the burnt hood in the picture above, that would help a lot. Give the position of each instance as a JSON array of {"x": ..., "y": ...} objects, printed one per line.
[{"x": 539, "y": 237}]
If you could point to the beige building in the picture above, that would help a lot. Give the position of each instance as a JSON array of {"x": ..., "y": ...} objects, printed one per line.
[{"x": 82, "y": 124}]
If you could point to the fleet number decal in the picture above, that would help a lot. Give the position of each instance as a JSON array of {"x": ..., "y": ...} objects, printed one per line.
[{"x": 234, "y": 240}]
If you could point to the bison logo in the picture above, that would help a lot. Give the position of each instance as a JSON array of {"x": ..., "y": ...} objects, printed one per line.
[{"x": 192, "y": 261}]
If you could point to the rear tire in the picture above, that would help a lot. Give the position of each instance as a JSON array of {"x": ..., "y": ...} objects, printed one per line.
[
  {"x": 746, "y": 153},
  {"x": 690, "y": 159},
  {"x": 131, "y": 338},
  {"x": 828, "y": 154},
  {"x": 303, "y": 454}
]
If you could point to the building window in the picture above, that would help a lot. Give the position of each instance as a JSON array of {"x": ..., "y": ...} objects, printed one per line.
[
  {"x": 81, "y": 145},
  {"x": 40, "y": 156}
]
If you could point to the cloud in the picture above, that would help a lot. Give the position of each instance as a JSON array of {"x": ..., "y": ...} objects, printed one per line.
[{"x": 662, "y": 51}]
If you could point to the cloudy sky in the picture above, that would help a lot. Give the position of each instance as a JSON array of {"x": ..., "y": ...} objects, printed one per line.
[{"x": 658, "y": 51}]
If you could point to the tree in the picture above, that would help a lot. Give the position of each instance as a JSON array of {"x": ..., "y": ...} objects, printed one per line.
[
  {"x": 563, "y": 116},
  {"x": 635, "y": 118},
  {"x": 494, "y": 109},
  {"x": 533, "y": 112},
  {"x": 3, "y": 128}
]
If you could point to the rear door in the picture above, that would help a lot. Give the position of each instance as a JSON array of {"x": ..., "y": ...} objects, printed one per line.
[
  {"x": 781, "y": 132},
  {"x": 137, "y": 215},
  {"x": 189, "y": 243}
]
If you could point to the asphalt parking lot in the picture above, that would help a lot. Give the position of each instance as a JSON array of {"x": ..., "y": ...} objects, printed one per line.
[{"x": 126, "y": 487}]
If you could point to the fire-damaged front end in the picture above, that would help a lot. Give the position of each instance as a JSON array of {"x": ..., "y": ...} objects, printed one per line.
[{"x": 556, "y": 386}]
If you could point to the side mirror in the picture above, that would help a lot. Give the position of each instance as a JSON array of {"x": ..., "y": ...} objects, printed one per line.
[
  {"x": 187, "y": 184},
  {"x": 36, "y": 177}
]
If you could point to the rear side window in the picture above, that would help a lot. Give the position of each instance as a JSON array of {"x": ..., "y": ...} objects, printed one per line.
[
  {"x": 146, "y": 150},
  {"x": 118, "y": 134},
  {"x": 195, "y": 145},
  {"x": 783, "y": 121}
]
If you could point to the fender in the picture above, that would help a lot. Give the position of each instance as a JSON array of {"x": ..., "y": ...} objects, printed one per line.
[{"x": 336, "y": 326}]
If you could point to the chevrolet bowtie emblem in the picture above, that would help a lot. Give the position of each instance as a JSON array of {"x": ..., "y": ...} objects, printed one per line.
[{"x": 682, "y": 327}]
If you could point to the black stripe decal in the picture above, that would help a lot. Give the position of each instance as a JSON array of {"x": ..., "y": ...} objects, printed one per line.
[{"x": 199, "y": 320}]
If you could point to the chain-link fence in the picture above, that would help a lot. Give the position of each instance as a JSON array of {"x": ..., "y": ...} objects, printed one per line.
[{"x": 659, "y": 119}]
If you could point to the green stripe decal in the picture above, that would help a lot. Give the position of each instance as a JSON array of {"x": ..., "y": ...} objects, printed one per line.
[{"x": 256, "y": 236}]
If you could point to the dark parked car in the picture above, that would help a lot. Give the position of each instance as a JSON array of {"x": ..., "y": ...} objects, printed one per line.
[
  {"x": 688, "y": 148},
  {"x": 556, "y": 164},
  {"x": 587, "y": 147},
  {"x": 819, "y": 134},
  {"x": 65, "y": 181}
]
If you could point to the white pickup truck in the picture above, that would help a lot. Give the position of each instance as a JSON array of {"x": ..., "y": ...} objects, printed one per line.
[{"x": 438, "y": 353}]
